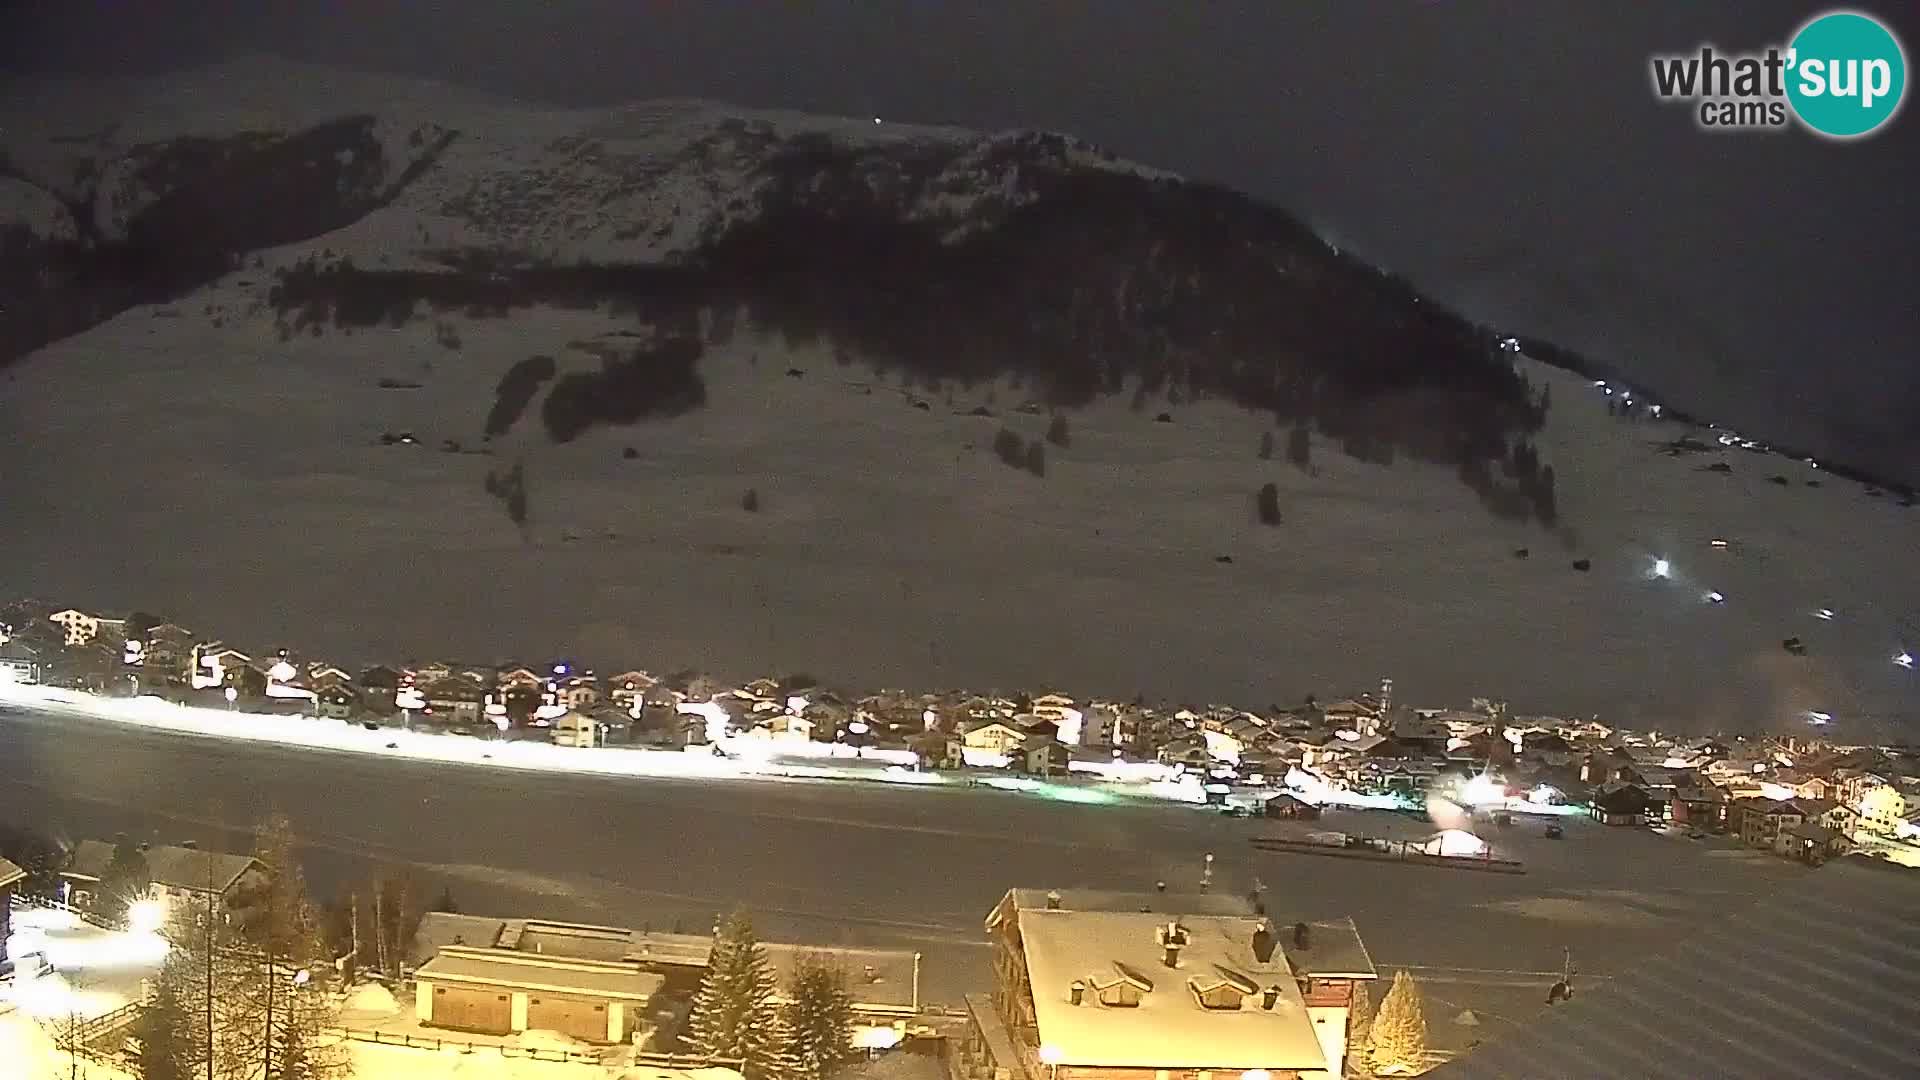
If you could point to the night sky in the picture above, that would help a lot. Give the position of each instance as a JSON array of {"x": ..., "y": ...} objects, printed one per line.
[{"x": 1509, "y": 156}]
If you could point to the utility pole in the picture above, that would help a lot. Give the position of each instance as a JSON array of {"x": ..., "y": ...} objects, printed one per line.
[
  {"x": 266, "y": 1043},
  {"x": 380, "y": 926},
  {"x": 209, "y": 963}
]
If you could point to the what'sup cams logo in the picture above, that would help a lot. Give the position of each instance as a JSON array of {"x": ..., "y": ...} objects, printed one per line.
[{"x": 1843, "y": 76}]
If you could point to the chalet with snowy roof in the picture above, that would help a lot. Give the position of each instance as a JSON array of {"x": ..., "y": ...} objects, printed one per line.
[
  {"x": 1760, "y": 821},
  {"x": 454, "y": 701},
  {"x": 320, "y": 675},
  {"x": 1811, "y": 842},
  {"x": 1700, "y": 806},
  {"x": 1042, "y": 755},
  {"x": 1351, "y": 713},
  {"x": 1094, "y": 985},
  {"x": 1053, "y": 706},
  {"x": 1620, "y": 805},
  {"x": 993, "y": 736},
  {"x": 1805, "y": 783},
  {"x": 19, "y": 662},
  {"x": 1190, "y": 751},
  {"x": 1407, "y": 776},
  {"x": 168, "y": 650},
  {"x": 216, "y": 664},
  {"x": 179, "y": 875},
  {"x": 519, "y": 676},
  {"x": 1288, "y": 807},
  {"x": 629, "y": 688},
  {"x": 580, "y": 692},
  {"x": 336, "y": 701}
]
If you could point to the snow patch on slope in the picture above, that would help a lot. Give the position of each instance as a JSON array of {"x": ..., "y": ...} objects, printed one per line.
[{"x": 24, "y": 206}]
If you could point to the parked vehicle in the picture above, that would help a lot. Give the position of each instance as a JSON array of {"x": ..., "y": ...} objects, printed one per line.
[{"x": 26, "y": 966}]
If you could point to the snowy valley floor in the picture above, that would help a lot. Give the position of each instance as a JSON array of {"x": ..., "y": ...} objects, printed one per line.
[{"x": 875, "y": 864}]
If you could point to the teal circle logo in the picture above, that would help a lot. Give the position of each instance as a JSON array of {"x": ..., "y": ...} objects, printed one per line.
[{"x": 1847, "y": 74}]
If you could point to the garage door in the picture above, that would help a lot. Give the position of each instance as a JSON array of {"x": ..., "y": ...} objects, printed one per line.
[
  {"x": 578, "y": 1017},
  {"x": 472, "y": 1010}
]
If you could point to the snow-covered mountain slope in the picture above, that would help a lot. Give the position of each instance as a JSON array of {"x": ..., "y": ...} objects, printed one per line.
[{"x": 820, "y": 311}]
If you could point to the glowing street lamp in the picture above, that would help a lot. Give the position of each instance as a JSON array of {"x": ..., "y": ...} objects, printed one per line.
[
  {"x": 1662, "y": 568},
  {"x": 1050, "y": 1055},
  {"x": 1905, "y": 659},
  {"x": 146, "y": 916}
]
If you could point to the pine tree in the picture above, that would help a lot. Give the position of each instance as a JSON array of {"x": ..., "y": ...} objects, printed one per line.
[
  {"x": 1400, "y": 1028},
  {"x": 818, "y": 1019},
  {"x": 1300, "y": 446},
  {"x": 1057, "y": 433},
  {"x": 168, "y": 1046},
  {"x": 733, "y": 1012},
  {"x": 281, "y": 919},
  {"x": 1267, "y": 504},
  {"x": 125, "y": 880},
  {"x": 1359, "y": 1025}
]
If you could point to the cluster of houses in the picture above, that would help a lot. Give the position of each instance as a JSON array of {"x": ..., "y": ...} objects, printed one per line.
[{"x": 1800, "y": 797}]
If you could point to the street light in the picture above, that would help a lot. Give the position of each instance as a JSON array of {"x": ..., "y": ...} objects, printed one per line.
[{"x": 1050, "y": 1055}]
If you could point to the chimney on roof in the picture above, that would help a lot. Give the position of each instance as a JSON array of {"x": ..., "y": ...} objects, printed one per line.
[
  {"x": 1269, "y": 997},
  {"x": 1262, "y": 943},
  {"x": 1053, "y": 900},
  {"x": 1077, "y": 992},
  {"x": 1300, "y": 939},
  {"x": 1173, "y": 937}
]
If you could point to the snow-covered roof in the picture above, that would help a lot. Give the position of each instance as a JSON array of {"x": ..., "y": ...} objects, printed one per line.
[
  {"x": 175, "y": 867},
  {"x": 1017, "y": 900},
  {"x": 1170, "y": 1028},
  {"x": 879, "y": 980},
  {"x": 508, "y": 967}
]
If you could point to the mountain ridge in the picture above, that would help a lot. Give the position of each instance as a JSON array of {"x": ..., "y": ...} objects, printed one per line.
[{"x": 1073, "y": 266}]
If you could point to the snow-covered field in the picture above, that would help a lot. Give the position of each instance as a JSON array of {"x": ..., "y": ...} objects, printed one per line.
[
  {"x": 747, "y": 758},
  {"x": 237, "y": 484}
]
